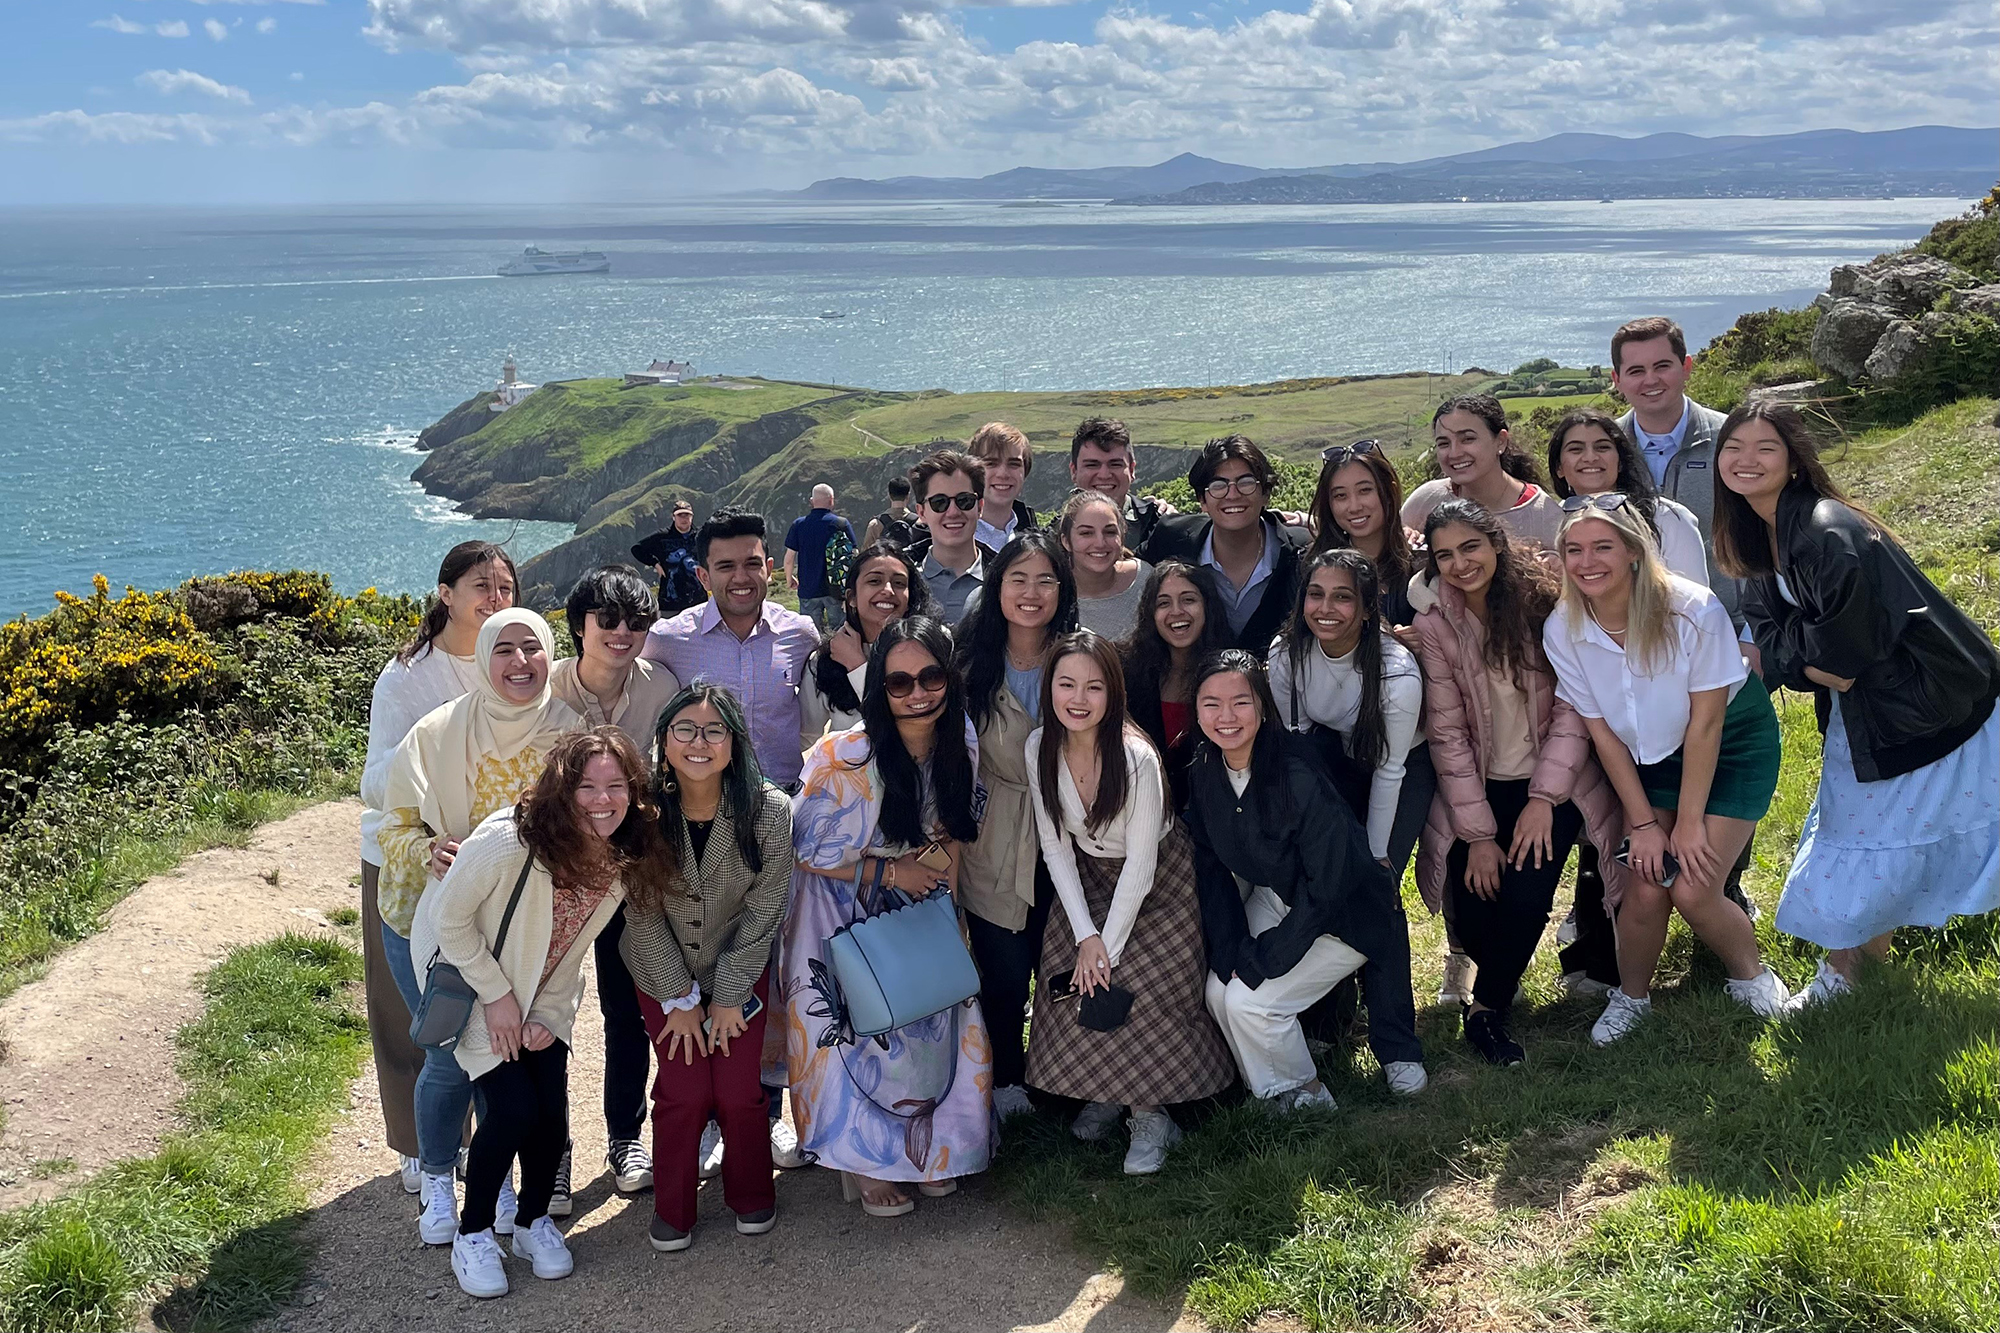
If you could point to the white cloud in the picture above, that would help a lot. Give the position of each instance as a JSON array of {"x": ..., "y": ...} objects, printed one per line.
[
  {"x": 216, "y": 29},
  {"x": 172, "y": 82},
  {"x": 171, "y": 28},
  {"x": 297, "y": 76},
  {"x": 267, "y": 26},
  {"x": 166, "y": 28}
]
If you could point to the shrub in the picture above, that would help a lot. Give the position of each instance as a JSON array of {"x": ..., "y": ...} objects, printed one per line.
[{"x": 1971, "y": 240}]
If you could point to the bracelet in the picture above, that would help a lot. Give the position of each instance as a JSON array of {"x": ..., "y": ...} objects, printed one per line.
[
  {"x": 892, "y": 872},
  {"x": 1640, "y": 828}
]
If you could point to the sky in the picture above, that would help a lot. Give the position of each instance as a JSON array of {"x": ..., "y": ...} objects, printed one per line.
[{"x": 329, "y": 101}]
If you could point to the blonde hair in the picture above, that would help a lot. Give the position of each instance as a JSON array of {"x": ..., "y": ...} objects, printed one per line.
[
  {"x": 990, "y": 443},
  {"x": 1649, "y": 634}
]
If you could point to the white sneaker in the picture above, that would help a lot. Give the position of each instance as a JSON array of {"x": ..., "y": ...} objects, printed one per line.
[
  {"x": 438, "y": 1223},
  {"x": 412, "y": 1173},
  {"x": 543, "y": 1245},
  {"x": 1011, "y": 1100},
  {"x": 1306, "y": 1099},
  {"x": 1458, "y": 975},
  {"x": 1827, "y": 985},
  {"x": 1153, "y": 1132},
  {"x": 785, "y": 1154},
  {"x": 1764, "y": 994},
  {"x": 709, "y": 1155},
  {"x": 479, "y": 1266},
  {"x": 506, "y": 1207},
  {"x": 1406, "y": 1077},
  {"x": 1584, "y": 986},
  {"x": 1620, "y": 1016},
  {"x": 1094, "y": 1121}
]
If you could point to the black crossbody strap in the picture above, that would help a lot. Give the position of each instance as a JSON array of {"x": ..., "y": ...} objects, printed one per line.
[{"x": 507, "y": 917}]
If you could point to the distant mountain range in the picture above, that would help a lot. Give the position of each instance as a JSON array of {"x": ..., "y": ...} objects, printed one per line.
[{"x": 1922, "y": 160}]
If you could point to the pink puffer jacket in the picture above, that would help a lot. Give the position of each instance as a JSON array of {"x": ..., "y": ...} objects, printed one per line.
[{"x": 1459, "y": 724}]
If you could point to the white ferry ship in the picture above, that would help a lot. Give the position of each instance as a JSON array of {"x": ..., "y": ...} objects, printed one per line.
[{"x": 535, "y": 261}]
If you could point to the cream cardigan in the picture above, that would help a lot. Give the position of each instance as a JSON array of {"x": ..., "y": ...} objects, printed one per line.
[{"x": 459, "y": 916}]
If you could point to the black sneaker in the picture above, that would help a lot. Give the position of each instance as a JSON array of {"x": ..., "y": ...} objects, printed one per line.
[
  {"x": 631, "y": 1165},
  {"x": 757, "y": 1223},
  {"x": 1488, "y": 1035},
  {"x": 559, "y": 1200},
  {"x": 665, "y": 1239}
]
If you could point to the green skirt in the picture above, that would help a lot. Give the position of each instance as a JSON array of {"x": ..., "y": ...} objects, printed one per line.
[{"x": 1746, "y": 769}]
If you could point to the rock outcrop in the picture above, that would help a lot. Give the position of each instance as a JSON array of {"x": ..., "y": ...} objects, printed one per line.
[{"x": 1880, "y": 319}]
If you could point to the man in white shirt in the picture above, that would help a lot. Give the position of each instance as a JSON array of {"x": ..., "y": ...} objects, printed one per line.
[{"x": 1009, "y": 461}]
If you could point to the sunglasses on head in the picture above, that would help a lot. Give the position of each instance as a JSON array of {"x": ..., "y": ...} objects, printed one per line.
[
  {"x": 608, "y": 618},
  {"x": 900, "y": 684},
  {"x": 1608, "y": 501},
  {"x": 965, "y": 500},
  {"x": 1337, "y": 454}
]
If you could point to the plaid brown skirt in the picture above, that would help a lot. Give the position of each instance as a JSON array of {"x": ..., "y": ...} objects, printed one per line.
[{"x": 1169, "y": 1049}]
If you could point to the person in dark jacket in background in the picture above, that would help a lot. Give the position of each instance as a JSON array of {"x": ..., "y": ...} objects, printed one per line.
[
  {"x": 670, "y": 554},
  {"x": 1905, "y": 827},
  {"x": 1101, "y": 458},
  {"x": 1291, "y": 900},
  {"x": 1253, "y": 555}
]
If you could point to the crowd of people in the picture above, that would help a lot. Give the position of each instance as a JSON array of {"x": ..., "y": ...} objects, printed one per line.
[{"x": 1170, "y": 769}]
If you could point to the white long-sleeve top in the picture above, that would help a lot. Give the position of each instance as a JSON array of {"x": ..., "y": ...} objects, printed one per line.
[
  {"x": 1680, "y": 541},
  {"x": 1134, "y": 833},
  {"x": 1330, "y": 694},
  {"x": 404, "y": 693}
]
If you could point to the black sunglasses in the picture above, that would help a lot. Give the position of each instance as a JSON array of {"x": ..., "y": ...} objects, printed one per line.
[
  {"x": 1607, "y": 501},
  {"x": 608, "y": 618},
  {"x": 1337, "y": 454},
  {"x": 965, "y": 500},
  {"x": 900, "y": 683}
]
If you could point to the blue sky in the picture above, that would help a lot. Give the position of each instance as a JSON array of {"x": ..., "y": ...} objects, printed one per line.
[{"x": 364, "y": 100}]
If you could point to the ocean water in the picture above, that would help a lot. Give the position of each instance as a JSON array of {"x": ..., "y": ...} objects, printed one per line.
[{"x": 191, "y": 392}]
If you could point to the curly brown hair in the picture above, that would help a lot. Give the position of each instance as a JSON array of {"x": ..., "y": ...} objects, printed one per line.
[
  {"x": 1523, "y": 593},
  {"x": 547, "y": 820}
]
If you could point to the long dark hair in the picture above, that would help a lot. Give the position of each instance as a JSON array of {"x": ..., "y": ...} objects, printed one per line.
[
  {"x": 1635, "y": 479},
  {"x": 1267, "y": 751},
  {"x": 951, "y": 762},
  {"x": 459, "y": 561},
  {"x": 1396, "y": 562},
  {"x": 1368, "y": 742},
  {"x": 982, "y": 636},
  {"x": 830, "y": 675},
  {"x": 742, "y": 780},
  {"x": 1518, "y": 602},
  {"x": 550, "y": 828},
  {"x": 1113, "y": 781},
  {"x": 1742, "y": 545},
  {"x": 1148, "y": 658},
  {"x": 1514, "y": 461}
]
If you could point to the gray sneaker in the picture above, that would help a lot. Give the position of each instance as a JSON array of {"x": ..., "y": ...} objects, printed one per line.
[
  {"x": 1094, "y": 1121},
  {"x": 709, "y": 1155},
  {"x": 1153, "y": 1132}
]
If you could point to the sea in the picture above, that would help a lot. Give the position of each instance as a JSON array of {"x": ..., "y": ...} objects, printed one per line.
[{"x": 189, "y": 392}]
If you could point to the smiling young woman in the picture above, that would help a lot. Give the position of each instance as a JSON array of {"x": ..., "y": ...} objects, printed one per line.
[
  {"x": 1590, "y": 455},
  {"x": 1904, "y": 684},
  {"x": 883, "y": 584},
  {"x": 1480, "y": 462},
  {"x": 1109, "y": 579}
]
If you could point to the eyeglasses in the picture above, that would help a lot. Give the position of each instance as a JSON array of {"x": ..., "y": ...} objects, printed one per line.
[
  {"x": 965, "y": 500},
  {"x": 900, "y": 683},
  {"x": 1222, "y": 486},
  {"x": 1337, "y": 454},
  {"x": 687, "y": 733},
  {"x": 1608, "y": 501},
  {"x": 607, "y": 618}
]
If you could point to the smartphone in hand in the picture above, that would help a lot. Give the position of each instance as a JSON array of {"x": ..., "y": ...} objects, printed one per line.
[
  {"x": 1668, "y": 863},
  {"x": 751, "y": 1008}
]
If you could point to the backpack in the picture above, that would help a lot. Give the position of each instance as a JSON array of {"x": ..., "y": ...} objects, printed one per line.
[
  {"x": 839, "y": 559},
  {"x": 901, "y": 531}
]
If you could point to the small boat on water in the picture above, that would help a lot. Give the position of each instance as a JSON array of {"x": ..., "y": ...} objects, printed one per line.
[
  {"x": 833, "y": 314},
  {"x": 535, "y": 261}
]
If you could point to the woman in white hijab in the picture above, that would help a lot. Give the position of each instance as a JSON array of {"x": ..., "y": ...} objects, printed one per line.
[{"x": 463, "y": 761}]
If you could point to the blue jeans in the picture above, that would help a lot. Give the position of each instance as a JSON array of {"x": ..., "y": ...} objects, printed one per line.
[
  {"x": 826, "y": 613},
  {"x": 444, "y": 1089}
]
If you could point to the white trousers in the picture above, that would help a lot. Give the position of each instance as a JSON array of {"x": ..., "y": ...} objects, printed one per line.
[{"x": 1262, "y": 1025}]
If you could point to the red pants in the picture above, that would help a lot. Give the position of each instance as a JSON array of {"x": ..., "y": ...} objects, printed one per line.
[{"x": 722, "y": 1088}]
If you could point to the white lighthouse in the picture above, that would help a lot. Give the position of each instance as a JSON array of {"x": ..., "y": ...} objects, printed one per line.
[{"x": 510, "y": 390}]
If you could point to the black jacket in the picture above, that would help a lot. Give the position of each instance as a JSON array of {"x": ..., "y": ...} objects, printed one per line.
[
  {"x": 1182, "y": 537},
  {"x": 1925, "y": 676},
  {"x": 673, "y": 551},
  {"x": 1290, "y": 832}
]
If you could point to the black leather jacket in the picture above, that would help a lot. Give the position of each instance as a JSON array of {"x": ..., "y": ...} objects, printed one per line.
[
  {"x": 1290, "y": 832},
  {"x": 1925, "y": 676}
]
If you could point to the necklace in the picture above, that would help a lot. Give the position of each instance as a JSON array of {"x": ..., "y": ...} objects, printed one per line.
[{"x": 1606, "y": 628}]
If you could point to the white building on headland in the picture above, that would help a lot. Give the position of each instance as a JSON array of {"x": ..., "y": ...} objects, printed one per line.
[
  {"x": 510, "y": 390},
  {"x": 662, "y": 372}
]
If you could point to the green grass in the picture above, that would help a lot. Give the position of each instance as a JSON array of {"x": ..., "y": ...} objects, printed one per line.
[
  {"x": 206, "y": 1228},
  {"x": 1836, "y": 1171}
]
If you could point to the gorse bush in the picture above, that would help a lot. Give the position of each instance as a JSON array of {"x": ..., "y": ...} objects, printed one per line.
[{"x": 1971, "y": 240}]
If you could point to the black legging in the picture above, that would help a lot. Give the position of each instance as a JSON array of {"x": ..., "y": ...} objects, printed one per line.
[
  {"x": 627, "y": 1052},
  {"x": 1007, "y": 960},
  {"x": 1501, "y": 932},
  {"x": 526, "y": 1116}
]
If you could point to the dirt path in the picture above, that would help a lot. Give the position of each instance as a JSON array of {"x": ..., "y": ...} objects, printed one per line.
[
  {"x": 964, "y": 1262},
  {"x": 88, "y": 1073}
]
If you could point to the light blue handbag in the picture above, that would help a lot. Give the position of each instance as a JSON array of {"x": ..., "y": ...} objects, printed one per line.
[{"x": 902, "y": 965}]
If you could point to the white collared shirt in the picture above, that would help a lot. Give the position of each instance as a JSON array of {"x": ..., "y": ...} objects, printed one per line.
[
  {"x": 1241, "y": 603},
  {"x": 1660, "y": 449},
  {"x": 1649, "y": 713}
]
